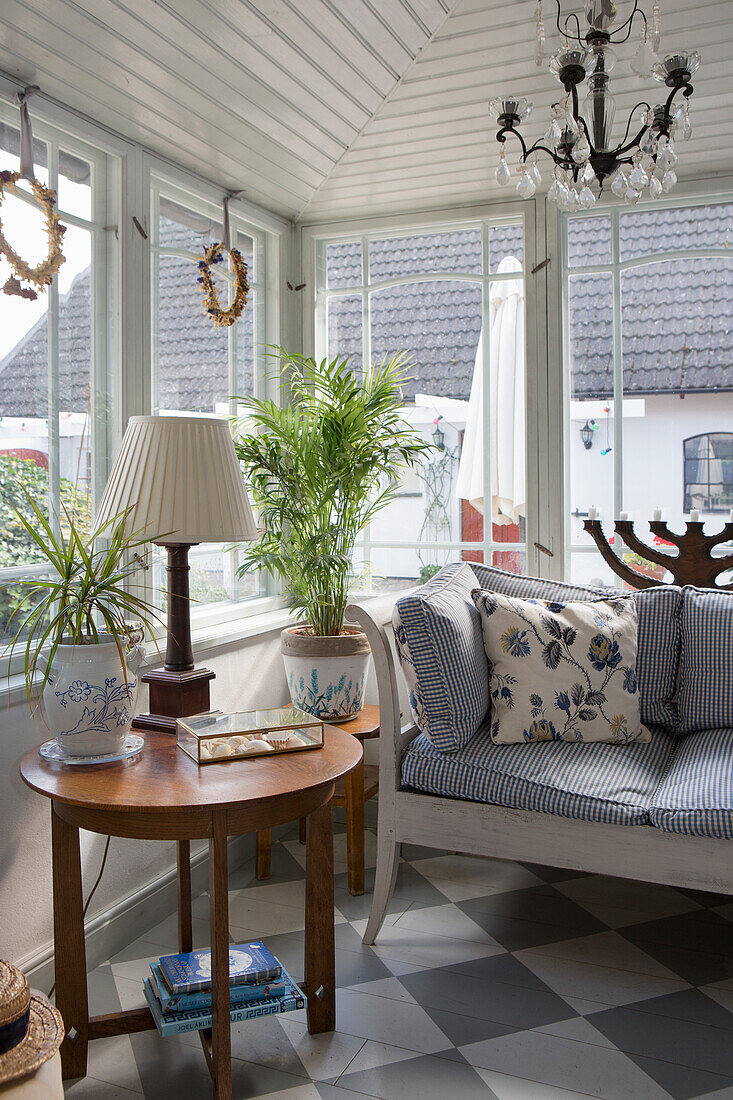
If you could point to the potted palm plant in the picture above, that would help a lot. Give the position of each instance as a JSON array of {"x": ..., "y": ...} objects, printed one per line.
[
  {"x": 320, "y": 469},
  {"x": 81, "y": 650}
]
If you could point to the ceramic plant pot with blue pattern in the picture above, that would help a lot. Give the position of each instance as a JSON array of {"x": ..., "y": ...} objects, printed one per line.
[
  {"x": 89, "y": 700},
  {"x": 326, "y": 676}
]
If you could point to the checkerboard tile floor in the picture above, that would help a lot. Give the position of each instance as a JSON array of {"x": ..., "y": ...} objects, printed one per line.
[{"x": 489, "y": 979}]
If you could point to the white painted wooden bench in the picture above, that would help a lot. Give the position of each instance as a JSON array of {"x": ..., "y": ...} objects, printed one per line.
[{"x": 629, "y": 851}]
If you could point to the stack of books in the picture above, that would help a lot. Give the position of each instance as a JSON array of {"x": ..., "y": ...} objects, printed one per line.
[{"x": 178, "y": 990}]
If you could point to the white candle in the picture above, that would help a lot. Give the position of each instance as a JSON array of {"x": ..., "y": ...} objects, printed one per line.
[
  {"x": 730, "y": 517},
  {"x": 657, "y": 514},
  {"x": 592, "y": 512},
  {"x": 694, "y": 516},
  {"x": 624, "y": 515}
]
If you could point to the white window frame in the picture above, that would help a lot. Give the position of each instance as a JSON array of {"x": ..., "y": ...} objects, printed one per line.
[
  {"x": 314, "y": 240},
  {"x": 687, "y": 196},
  {"x": 126, "y": 365}
]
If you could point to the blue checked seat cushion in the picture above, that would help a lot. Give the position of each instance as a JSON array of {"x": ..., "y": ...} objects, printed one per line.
[
  {"x": 696, "y": 796},
  {"x": 658, "y": 653},
  {"x": 590, "y": 782},
  {"x": 706, "y": 673}
]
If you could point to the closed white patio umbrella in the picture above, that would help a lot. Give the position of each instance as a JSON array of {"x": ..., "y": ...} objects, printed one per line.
[{"x": 508, "y": 500}]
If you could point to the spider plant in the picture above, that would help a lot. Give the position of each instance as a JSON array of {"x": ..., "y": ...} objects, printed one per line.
[
  {"x": 87, "y": 599},
  {"x": 320, "y": 468}
]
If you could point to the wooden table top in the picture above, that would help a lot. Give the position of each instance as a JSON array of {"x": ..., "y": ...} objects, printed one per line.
[
  {"x": 162, "y": 778},
  {"x": 364, "y": 726}
]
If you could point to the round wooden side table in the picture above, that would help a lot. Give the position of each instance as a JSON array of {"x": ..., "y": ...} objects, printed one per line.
[{"x": 163, "y": 795}]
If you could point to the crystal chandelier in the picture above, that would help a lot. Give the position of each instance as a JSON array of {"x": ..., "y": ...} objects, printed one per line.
[{"x": 581, "y": 144}]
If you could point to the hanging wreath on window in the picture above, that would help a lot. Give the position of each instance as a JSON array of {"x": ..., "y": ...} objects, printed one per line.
[
  {"x": 42, "y": 274},
  {"x": 215, "y": 254}
]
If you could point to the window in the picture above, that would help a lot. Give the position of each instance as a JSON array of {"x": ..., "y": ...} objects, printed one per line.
[
  {"x": 199, "y": 368},
  {"x": 709, "y": 472},
  {"x": 57, "y": 377},
  {"x": 648, "y": 348},
  {"x": 429, "y": 293}
]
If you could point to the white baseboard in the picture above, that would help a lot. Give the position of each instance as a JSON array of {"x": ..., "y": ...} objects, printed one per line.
[{"x": 112, "y": 929}]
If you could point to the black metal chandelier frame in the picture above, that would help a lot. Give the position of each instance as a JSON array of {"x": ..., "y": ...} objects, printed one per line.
[{"x": 603, "y": 163}]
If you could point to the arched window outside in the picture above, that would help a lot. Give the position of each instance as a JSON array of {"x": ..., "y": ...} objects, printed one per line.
[{"x": 709, "y": 472}]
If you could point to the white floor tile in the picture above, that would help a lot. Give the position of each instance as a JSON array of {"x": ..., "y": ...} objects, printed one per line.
[
  {"x": 462, "y": 877},
  {"x": 378, "y": 1018},
  {"x": 323, "y": 1056},
  {"x": 445, "y": 920},
  {"x": 425, "y": 949},
  {"x": 373, "y": 1055},
  {"x": 566, "y": 1064}
]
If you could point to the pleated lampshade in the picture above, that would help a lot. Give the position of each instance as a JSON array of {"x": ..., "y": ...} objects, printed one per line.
[{"x": 181, "y": 480}]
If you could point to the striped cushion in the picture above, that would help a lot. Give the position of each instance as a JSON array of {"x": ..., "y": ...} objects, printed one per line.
[
  {"x": 706, "y": 677},
  {"x": 592, "y": 782},
  {"x": 657, "y": 659},
  {"x": 441, "y": 650},
  {"x": 696, "y": 797}
]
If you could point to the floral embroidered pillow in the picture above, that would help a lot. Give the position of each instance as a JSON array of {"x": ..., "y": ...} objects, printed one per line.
[{"x": 561, "y": 671}]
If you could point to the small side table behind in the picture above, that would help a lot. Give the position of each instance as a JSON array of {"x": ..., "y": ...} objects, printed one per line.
[{"x": 351, "y": 793}]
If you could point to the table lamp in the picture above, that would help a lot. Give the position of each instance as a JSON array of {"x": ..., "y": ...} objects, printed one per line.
[{"x": 180, "y": 479}]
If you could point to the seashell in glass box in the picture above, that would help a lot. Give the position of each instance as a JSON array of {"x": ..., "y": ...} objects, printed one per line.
[{"x": 214, "y": 737}]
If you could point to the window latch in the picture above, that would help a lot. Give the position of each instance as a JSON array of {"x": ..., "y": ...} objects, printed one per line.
[
  {"x": 539, "y": 266},
  {"x": 139, "y": 228},
  {"x": 543, "y": 549}
]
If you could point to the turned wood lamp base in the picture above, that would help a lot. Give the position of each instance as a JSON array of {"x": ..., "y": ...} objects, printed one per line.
[{"x": 178, "y": 689}]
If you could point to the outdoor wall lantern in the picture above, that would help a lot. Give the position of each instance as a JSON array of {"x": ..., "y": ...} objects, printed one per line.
[
  {"x": 438, "y": 435},
  {"x": 586, "y": 433}
]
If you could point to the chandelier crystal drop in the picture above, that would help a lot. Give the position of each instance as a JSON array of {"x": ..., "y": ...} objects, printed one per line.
[{"x": 581, "y": 143}]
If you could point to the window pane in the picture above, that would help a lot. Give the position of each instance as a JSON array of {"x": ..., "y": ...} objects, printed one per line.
[
  {"x": 198, "y": 367},
  {"x": 397, "y": 257},
  {"x": 505, "y": 240},
  {"x": 439, "y": 324},
  {"x": 590, "y": 329},
  {"x": 343, "y": 264},
  {"x": 343, "y": 320},
  {"x": 10, "y": 145},
  {"x": 589, "y": 241},
  {"x": 75, "y": 185},
  {"x": 179, "y": 227},
  {"x": 645, "y": 231},
  {"x": 76, "y": 391},
  {"x": 679, "y": 377},
  {"x": 191, "y": 353}
]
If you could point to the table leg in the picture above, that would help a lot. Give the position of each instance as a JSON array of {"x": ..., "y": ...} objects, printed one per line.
[
  {"x": 302, "y": 826},
  {"x": 221, "y": 1036},
  {"x": 185, "y": 923},
  {"x": 320, "y": 967},
  {"x": 355, "y": 828},
  {"x": 70, "y": 958},
  {"x": 263, "y": 851}
]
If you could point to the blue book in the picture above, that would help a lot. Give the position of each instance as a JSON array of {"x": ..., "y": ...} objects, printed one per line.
[
  {"x": 188, "y": 1002},
  {"x": 177, "y": 1022},
  {"x": 190, "y": 972}
]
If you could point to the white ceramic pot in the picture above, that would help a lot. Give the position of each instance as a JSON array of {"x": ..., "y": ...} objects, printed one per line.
[
  {"x": 88, "y": 703},
  {"x": 326, "y": 676}
]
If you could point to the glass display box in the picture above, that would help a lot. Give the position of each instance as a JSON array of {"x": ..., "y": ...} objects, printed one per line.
[{"x": 215, "y": 737}]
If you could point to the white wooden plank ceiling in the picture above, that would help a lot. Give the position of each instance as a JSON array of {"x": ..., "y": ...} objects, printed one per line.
[{"x": 323, "y": 109}]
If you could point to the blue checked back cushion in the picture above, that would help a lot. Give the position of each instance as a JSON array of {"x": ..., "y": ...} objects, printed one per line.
[
  {"x": 658, "y": 610},
  {"x": 706, "y": 676},
  {"x": 441, "y": 650}
]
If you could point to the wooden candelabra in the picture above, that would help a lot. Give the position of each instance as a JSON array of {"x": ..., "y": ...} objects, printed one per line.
[{"x": 692, "y": 564}]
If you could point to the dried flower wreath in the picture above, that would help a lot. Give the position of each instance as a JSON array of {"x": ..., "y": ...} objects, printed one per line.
[{"x": 215, "y": 254}]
